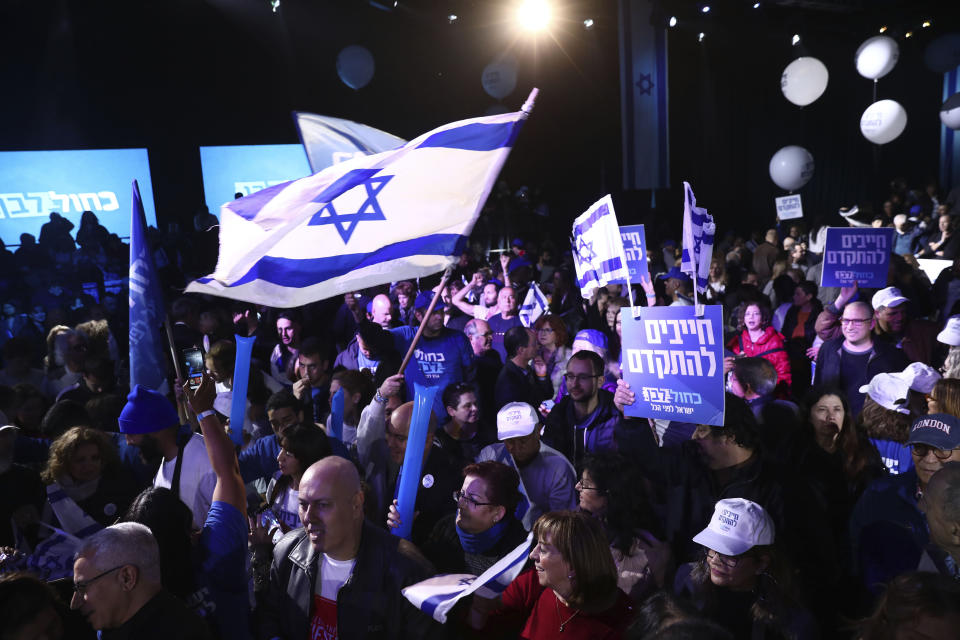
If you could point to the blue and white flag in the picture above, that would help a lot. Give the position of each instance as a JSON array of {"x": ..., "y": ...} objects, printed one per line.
[
  {"x": 328, "y": 141},
  {"x": 437, "y": 595},
  {"x": 597, "y": 248},
  {"x": 534, "y": 305},
  {"x": 52, "y": 558},
  {"x": 397, "y": 215},
  {"x": 146, "y": 305},
  {"x": 698, "y": 232}
]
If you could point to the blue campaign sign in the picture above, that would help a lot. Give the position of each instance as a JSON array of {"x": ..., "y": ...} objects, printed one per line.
[
  {"x": 856, "y": 254},
  {"x": 247, "y": 169},
  {"x": 34, "y": 183},
  {"x": 673, "y": 362},
  {"x": 635, "y": 248}
]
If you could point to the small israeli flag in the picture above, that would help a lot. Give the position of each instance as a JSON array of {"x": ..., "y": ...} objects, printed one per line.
[
  {"x": 534, "y": 305},
  {"x": 698, "y": 234},
  {"x": 597, "y": 248},
  {"x": 437, "y": 595}
]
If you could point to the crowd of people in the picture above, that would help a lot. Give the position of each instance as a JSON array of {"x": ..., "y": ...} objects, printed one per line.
[{"x": 827, "y": 504}]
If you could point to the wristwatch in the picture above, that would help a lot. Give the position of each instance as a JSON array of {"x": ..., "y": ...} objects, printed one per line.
[{"x": 379, "y": 398}]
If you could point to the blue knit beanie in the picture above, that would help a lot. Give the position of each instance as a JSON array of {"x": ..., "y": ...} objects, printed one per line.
[{"x": 147, "y": 411}]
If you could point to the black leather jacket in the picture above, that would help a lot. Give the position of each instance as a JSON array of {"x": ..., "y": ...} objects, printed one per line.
[{"x": 369, "y": 605}]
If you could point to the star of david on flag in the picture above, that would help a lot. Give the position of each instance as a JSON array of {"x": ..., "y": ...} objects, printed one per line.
[
  {"x": 598, "y": 248},
  {"x": 400, "y": 214},
  {"x": 698, "y": 233}
]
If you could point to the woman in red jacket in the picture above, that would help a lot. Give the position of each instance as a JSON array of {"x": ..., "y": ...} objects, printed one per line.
[{"x": 757, "y": 339}]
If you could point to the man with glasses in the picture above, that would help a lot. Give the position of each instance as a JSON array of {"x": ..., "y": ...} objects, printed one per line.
[
  {"x": 852, "y": 359},
  {"x": 488, "y": 361},
  {"x": 116, "y": 588},
  {"x": 586, "y": 419},
  {"x": 888, "y": 514}
]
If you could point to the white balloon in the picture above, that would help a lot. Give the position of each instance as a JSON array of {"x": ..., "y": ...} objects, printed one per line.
[
  {"x": 883, "y": 121},
  {"x": 877, "y": 57},
  {"x": 499, "y": 78},
  {"x": 804, "y": 80},
  {"x": 950, "y": 112},
  {"x": 791, "y": 167}
]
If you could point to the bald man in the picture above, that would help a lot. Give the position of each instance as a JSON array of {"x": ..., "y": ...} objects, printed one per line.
[
  {"x": 381, "y": 311},
  {"x": 941, "y": 504},
  {"x": 339, "y": 576}
]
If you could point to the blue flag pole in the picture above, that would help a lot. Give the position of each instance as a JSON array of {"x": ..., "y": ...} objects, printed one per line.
[
  {"x": 413, "y": 458},
  {"x": 336, "y": 415},
  {"x": 241, "y": 373}
]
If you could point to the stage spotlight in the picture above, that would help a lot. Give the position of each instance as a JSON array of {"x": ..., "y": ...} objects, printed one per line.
[
  {"x": 588, "y": 24},
  {"x": 756, "y": 5},
  {"x": 908, "y": 34},
  {"x": 701, "y": 36},
  {"x": 705, "y": 8},
  {"x": 534, "y": 15},
  {"x": 673, "y": 21},
  {"x": 452, "y": 18},
  {"x": 926, "y": 23},
  {"x": 795, "y": 40},
  {"x": 883, "y": 29},
  {"x": 274, "y": 4}
]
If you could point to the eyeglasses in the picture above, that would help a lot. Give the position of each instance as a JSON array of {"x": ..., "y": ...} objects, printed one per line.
[
  {"x": 856, "y": 321},
  {"x": 730, "y": 562},
  {"x": 460, "y": 495},
  {"x": 81, "y": 587},
  {"x": 921, "y": 451},
  {"x": 579, "y": 377},
  {"x": 581, "y": 487},
  {"x": 546, "y": 329}
]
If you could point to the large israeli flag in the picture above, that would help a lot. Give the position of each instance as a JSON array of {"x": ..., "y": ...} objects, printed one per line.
[
  {"x": 698, "y": 233},
  {"x": 328, "y": 141},
  {"x": 146, "y": 305},
  {"x": 437, "y": 595},
  {"x": 597, "y": 248},
  {"x": 395, "y": 215}
]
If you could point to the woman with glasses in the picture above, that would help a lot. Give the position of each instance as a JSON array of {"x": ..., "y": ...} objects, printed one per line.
[
  {"x": 552, "y": 347},
  {"x": 611, "y": 490},
  {"x": 571, "y": 591},
  {"x": 740, "y": 582},
  {"x": 484, "y": 528}
]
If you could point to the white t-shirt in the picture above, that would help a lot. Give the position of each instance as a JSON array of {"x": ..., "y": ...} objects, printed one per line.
[
  {"x": 197, "y": 479},
  {"x": 286, "y": 506},
  {"x": 333, "y": 575}
]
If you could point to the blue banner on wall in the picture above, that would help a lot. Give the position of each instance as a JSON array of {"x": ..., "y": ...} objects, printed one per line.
[
  {"x": 34, "y": 183},
  {"x": 856, "y": 255},
  {"x": 635, "y": 248},
  {"x": 673, "y": 362},
  {"x": 247, "y": 169}
]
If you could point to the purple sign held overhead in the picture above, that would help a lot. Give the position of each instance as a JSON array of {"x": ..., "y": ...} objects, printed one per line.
[
  {"x": 673, "y": 362},
  {"x": 856, "y": 255},
  {"x": 635, "y": 249}
]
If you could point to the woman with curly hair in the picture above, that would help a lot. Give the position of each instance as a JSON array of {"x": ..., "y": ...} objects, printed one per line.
[
  {"x": 85, "y": 481},
  {"x": 757, "y": 339},
  {"x": 740, "y": 581}
]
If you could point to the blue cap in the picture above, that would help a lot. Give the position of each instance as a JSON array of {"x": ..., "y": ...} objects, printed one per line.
[
  {"x": 147, "y": 411},
  {"x": 940, "y": 430},
  {"x": 592, "y": 336},
  {"x": 517, "y": 242},
  {"x": 517, "y": 263},
  {"x": 675, "y": 273},
  {"x": 669, "y": 243},
  {"x": 423, "y": 301},
  {"x": 915, "y": 209}
]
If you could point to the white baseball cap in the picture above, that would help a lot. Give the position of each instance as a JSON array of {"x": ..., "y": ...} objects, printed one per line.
[
  {"x": 516, "y": 420},
  {"x": 889, "y": 391},
  {"x": 889, "y": 297},
  {"x": 951, "y": 333},
  {"x": 921, "y": 377},
  {"x": 737, "y": 526}
]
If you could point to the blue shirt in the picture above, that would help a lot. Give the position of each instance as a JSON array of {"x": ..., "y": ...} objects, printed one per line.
[
  {"x": 221, "y": 574},
  {"x": 443, "y": 360},
  {"x": 896, "y": 457}
]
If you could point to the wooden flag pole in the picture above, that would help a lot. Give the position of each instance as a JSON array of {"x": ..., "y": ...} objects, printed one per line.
[{"x": 426, "y": 316}]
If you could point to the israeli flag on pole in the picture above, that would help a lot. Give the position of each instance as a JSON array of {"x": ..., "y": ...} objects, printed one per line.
[
  {"x": 397, "y": 215},
  {"x": 698, "y": 233},
  {"x": 328, "y": 141},
  {"x": 146, "y": 305},
  {"x": 534, "y": 305},
  {"x": 598, "y": 249},
  {"x": 437, "y": 595}
]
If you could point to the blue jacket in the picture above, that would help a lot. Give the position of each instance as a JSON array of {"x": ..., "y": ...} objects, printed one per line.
[
  {"x": 602, "y": 430},
  {"x": 888, "y": 532}
]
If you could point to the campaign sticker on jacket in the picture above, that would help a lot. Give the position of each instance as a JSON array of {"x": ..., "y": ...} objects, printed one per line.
[{"x": 427, "y": 481}]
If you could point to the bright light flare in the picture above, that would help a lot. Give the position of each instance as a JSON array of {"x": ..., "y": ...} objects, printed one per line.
[
  {"x": 795, "y": 40},
  {"x": 883, "y": 29},
  {"x": 673, "y": 21},
  {"x": 534, "y": 15}
]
